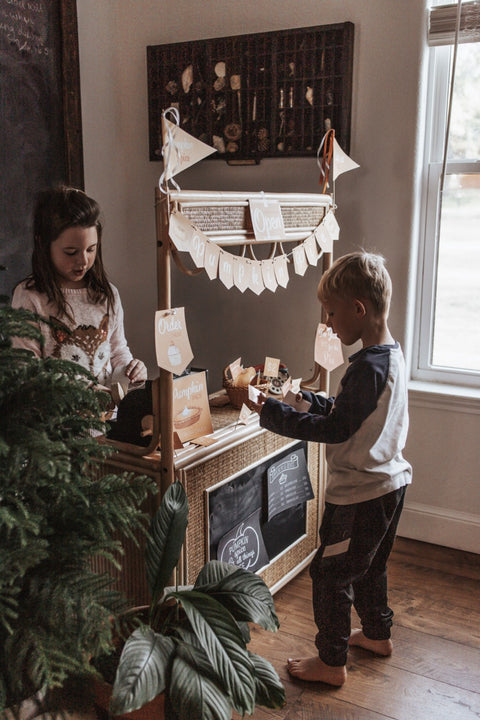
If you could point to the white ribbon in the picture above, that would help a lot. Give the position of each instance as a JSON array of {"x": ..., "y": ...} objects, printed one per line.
[{"x": 167, "y": 150}]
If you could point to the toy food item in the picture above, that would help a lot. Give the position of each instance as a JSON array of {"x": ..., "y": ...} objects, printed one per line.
[{"x": 245, "y": 377}]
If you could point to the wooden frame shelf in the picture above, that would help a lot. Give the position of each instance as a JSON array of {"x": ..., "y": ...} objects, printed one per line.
[{"x": 251, "y": 96}]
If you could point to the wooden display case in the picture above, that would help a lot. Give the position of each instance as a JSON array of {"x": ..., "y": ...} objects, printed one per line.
[{"x": 251, "y": 96}]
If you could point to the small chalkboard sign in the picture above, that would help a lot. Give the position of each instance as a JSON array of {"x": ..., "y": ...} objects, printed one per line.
[
  {"x": 238, "y": 502},
  {"x": 288, "y": 483},
  {"x": 40, "y": 118},
  {"x": 243, "y": 546}
]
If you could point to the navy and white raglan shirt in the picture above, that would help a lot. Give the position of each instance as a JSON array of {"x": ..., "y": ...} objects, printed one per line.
[{"x": 365, "y": 426}]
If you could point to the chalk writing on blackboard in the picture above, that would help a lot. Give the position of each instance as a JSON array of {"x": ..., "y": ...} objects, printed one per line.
[
  {"x": 288, "y": 483},
  {"x": 243, "y": 546},
  {"x": 23, "y": 24}
]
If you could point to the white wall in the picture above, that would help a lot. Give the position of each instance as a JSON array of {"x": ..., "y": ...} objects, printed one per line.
[{"x": 376, "y": 204}]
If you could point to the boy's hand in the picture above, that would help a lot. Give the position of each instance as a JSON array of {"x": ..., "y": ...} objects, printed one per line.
[
  {"x": 257, "y": 406},
  {"x": 136, "y": 371}
]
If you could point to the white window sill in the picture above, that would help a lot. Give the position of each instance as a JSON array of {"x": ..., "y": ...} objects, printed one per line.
[{"x": 444, "y": 397}]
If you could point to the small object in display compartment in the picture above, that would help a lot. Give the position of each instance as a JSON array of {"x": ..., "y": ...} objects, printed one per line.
[{"x": 187, "y": 78}]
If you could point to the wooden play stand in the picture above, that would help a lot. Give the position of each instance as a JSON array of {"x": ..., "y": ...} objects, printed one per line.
[{"x": 224, "y": 218}]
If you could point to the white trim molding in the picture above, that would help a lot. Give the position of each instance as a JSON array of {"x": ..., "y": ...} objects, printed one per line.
[{"x": 440, "y": 526}]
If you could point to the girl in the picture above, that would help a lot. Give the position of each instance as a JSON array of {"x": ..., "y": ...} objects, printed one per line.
[{"x": 68, "y": 284}]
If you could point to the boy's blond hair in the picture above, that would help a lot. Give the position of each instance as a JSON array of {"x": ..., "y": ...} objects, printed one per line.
[{"x": 360, "y": 275}]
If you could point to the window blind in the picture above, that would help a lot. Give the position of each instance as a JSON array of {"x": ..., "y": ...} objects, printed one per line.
[{"x": 443, "y": 20}]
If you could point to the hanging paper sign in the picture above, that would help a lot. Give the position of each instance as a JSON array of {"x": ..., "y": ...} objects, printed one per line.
[
  {"x": 311, "y": 250},
  {"x": 225, "y": 269},
  {"x": 271, "y": 367},
  {"x": 323, "y": 238},
  {"x": 171, "y": 340},
  {"x": 180, "y": 231},
  {"x": 210, "y": 260},
  {"x": 341, "y": 161},
  {"x": 281, "y": 270},
  {"x": 299, "y": 260},
  {"x": 243, "y": 545},
  {"x": 198, "y": 244},
  {"x": 240, "y": 274},
  {"x": 256, "y": 280},
  {"x": 191, "y": 411},
  {"x": 331, "y": 225},
  {"x": 328, "y": 348},
  {"x": 267, "y": 219},
  {"x": 268, "y": 275},
  {"x": 181, "y": 150},
  {"x": 288, "y": 483}
]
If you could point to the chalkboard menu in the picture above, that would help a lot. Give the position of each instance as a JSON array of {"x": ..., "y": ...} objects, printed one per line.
[
  {"x": 242, "y": 528},
  {"x": 40, "y": 120}
]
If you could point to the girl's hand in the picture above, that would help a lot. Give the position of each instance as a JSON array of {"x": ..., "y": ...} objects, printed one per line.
[{"x": 136, "y": 371}]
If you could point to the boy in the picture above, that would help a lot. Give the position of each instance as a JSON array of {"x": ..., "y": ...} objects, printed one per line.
[{"x": 365, "y": 428}]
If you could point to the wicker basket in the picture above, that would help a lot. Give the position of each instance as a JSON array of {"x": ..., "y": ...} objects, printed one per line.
[{"x": 238, "y": 395}]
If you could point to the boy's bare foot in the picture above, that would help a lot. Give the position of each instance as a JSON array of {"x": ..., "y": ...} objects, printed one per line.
[
  {"x": 315, "y": 670},
  {"x": 379, "y": 647}
]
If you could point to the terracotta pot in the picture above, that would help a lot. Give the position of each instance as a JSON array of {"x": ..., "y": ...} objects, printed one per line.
[{"x": 154, "y": 710}]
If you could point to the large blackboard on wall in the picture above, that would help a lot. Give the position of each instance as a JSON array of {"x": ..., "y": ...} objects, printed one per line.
[{"x": 40, "y": 118}]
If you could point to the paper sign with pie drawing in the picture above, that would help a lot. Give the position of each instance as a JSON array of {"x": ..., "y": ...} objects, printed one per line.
[{"x": 191, "y": 411}]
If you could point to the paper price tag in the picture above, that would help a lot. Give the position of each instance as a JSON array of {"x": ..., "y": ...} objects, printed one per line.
[
  {"x": 328, "y": 348},
  {"x": 271, "y": 367},
  {"x": 297, "y": 403}
]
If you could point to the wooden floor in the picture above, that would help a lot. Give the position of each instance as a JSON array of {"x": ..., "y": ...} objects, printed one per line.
[{"x": 434, "y": 672}]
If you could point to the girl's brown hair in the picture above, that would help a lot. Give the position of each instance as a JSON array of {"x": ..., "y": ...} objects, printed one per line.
[{"x": 56, "y": 210}]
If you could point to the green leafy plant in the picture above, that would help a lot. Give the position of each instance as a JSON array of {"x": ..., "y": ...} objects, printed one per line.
[
  {"x": 57, "y": 512},
  {"x": 194, "y": 645}
]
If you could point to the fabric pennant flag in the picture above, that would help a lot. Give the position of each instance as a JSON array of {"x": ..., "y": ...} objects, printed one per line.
[
  {"x": 341, "y": 161},
  {"x": 181, "y": 150}
]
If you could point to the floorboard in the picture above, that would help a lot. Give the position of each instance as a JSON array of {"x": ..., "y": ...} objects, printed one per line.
[{"x": 434, "y": 672}]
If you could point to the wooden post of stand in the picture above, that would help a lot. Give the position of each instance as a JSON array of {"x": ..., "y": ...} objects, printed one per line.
[{"x": 166, "y": 378}]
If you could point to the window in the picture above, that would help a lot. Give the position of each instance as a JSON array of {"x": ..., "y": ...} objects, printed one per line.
[{"x": 448, "y": 329}]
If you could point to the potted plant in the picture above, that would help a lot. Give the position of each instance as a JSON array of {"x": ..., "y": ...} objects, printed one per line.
[
  {"x": 56, "y": 513},
  {"x": 193, "y": 645}
]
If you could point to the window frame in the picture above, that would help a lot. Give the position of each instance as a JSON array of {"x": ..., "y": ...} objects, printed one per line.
[{"x": 438, "y": 78}]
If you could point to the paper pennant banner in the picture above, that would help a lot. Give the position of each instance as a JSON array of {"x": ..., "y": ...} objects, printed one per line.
[
  {"x": 331, "y": 225},
  {"x": 256, "y": 280},
  {"x": 328, "y": 348},
  {"x": 323, "y": 238},
  {"x": 299, "y": 260},
  {"x": 180, "y": 231},
  {"x": 210, "y": 261},
  {"x": 171, "y": 340},
  {"x": 268, "y": 275},
  {"x": 311, "y": 250},
  {"x": 225, "y": 269},
  {"x": 341, "y": 162},
  {"x": 241, "y": 273},
  {"x": 281, "y": 270},
  {"x": 198, "y": 244},
  {"x": 181, "y": 150}
]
